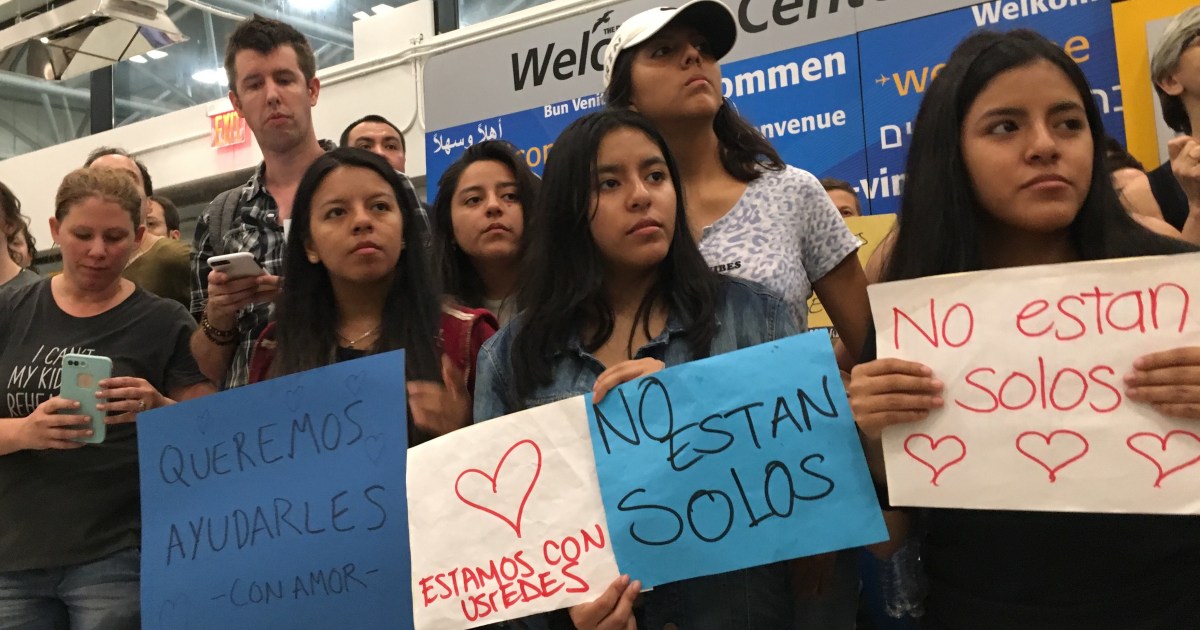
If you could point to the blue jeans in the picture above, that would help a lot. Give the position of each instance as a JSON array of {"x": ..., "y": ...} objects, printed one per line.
[{"x": 99, "y": 595}]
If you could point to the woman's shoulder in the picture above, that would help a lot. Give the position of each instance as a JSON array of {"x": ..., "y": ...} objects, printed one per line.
[
  {"x": 164, "y": 308},
  {"x": 788, "y": 190},
  {"x": 13, "y": 296},
  {"x": 501, "y": 342},
  {"x": 789, "y": 177}
]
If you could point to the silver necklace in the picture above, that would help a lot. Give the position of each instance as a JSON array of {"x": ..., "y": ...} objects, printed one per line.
[{"x": 350, "y": 342}]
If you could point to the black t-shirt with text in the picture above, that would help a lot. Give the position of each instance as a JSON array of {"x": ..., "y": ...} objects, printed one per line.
[{"x": 66, "y": 507}]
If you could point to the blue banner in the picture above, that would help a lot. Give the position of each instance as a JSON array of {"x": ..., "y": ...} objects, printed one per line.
[
  {"x": 843, "y": 107},
  {"x": 734, "y": 461},
  {"x": 899, "y": 62},
  {"x": 279, "y": 505},
  {"x": 807, "y": 102}
]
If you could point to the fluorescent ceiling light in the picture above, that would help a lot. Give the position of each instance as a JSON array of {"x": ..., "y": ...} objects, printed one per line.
[
  {"x": 380, "y": 9},
  {"x": 155, "y": 54},
  {"x": 361, "y": 15},
  {"x": 138, "y": 59},
  {"x": 211, "y": 76}
]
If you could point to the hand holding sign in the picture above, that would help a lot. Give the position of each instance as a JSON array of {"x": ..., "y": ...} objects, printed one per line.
[
  {"x": 890, "y": 391},
  {"x": 611, "y": 611},
  {"x": 1168, "y": 381}
]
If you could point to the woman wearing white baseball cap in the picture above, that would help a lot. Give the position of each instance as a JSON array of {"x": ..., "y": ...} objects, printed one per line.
[{"x": 754, "y": 217}]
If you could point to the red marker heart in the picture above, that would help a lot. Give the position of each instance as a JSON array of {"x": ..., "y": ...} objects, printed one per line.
[
  {"x": 1180, "y": 452},
  {"x": 933, "y": 447},
  {"x": 498, "y": 498},
  {"x": 1065, "y": 455}
]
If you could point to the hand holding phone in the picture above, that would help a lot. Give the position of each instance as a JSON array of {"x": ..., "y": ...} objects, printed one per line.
[
  {"x": 55, "y": 424},
  {"x": 236, "y": 265},
  {"x": 81, "y": 376}
]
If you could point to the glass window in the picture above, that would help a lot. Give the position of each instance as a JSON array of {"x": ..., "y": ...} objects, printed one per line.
[
  {"x": 35, "y": 113},
  {"x": 475, "y": 11}
]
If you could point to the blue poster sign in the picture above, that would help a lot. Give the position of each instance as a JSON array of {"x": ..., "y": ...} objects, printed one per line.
[
  {"x": 734, "y": 461},
  {"x": 279, "y": 505}
]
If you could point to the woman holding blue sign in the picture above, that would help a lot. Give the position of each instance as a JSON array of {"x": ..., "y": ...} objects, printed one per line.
[
  {"x": 359, "y": 284},
  {"x": 615, "y": 288},
  {"x": 1007, "y": 169},
  {"x": 754, "y": 216}
]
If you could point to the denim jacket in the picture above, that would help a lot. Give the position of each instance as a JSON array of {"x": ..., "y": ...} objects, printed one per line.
[{"x": 748, "y": 315}]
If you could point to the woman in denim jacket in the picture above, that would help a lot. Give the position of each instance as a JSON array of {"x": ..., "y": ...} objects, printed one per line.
[{"x": 615, "y": 288}]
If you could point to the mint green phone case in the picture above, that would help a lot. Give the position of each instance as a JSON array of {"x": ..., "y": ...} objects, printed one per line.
[{"x": 81, "y": 376}]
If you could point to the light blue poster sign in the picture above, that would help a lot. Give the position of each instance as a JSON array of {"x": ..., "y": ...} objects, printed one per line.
[
  {"x": 279, "y": 505},
  {"x": 734, "y": 461}
]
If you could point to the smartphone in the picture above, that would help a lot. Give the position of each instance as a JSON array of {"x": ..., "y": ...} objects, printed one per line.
[
  {"x": 236, "y": 265},
  {"x": 81, "y": 376}
]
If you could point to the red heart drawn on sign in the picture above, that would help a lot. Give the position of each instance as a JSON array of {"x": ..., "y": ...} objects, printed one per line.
[
  {"x": 1180, "y": 454},
  {"x": 498, "y": 498},
  {"x": 929, "y": 460},
  {"x": 1064, "y": 452}
]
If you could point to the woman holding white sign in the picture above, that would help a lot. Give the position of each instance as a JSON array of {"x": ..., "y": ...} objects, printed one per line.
[
  {"x": 1006, "y": 169},
  {"x": 614, "y": 289}
]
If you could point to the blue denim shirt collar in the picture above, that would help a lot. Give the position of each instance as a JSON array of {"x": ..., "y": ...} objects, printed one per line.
[{"x": 674, "y": 327}]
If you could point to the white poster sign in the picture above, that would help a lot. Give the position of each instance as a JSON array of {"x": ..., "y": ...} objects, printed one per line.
[
  {"x": 506, "y": 520},
  {"x": 1036, "y": 413}
]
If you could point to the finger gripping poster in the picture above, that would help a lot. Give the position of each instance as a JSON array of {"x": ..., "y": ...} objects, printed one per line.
[
  {"x": 1037, "y": 413},
  {"x": 733, "y": 461}
]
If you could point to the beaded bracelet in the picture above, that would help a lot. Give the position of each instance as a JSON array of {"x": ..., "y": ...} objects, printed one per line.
[{"x": 217, "y": 335}]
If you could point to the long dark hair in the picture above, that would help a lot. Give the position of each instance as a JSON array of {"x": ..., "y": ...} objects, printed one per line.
[
  {"x": 306, "y": 312},
  {"x": 457, "y": 273},
  {"x": 11, "y": 220},
  {"x": 745, "y": 153},
  {"x": 562, "y": 294},
  {"x": 939, "y": 229}
]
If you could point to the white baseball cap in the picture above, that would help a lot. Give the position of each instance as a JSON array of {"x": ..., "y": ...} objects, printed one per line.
[{"x": 711, "y": 18}]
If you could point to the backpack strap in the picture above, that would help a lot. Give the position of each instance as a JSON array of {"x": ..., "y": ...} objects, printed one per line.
[{"x": 220, "y": 224}]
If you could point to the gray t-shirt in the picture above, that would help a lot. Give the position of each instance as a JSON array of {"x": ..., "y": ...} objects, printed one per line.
[
  {"x": 784, "y": 233},
  {"x": 23, "y": 278},
  {"x": 66, "y": 507}
]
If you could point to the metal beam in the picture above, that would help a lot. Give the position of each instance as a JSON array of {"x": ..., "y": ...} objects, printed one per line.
[
  {"x": 70, "y": 117},
  {"x": 178, "y": 11},
  {"x": 38, "y": 86},
  {"x": 58, "y": 139}
]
